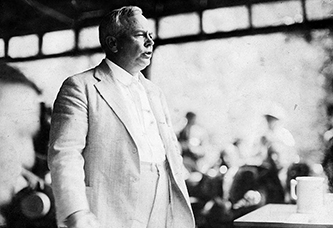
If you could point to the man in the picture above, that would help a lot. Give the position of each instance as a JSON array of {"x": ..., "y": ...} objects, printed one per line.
[
  {"x": 193, "y": 142},
  {"x": 114, "y": 157},
  {"x": 261, "y": 180},
  {"x": 19, "y": 124}
]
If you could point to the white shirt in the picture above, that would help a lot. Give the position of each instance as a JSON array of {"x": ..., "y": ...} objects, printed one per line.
[{"x": 150, "y": 145}]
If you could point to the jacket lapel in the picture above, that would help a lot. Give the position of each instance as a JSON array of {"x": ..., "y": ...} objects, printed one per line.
[{"x": 107, "y": 88}]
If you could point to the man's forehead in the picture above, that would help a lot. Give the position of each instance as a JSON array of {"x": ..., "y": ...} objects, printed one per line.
[{"x": 138, "y": 22}]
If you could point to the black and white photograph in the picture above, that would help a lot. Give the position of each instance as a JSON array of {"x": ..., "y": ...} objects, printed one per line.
[{"x": 166, "y": 113}]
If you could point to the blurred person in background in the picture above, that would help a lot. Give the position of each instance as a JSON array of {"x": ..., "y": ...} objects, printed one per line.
[
  {"x": 258, "y": 178},
  {"x": 327, "y": 164},
  {"x": 20, "y": 124},
  {"x": 217, "y": 211},
  {"x": 19, "y": 121},
  {"x": 278, "y": 143},
  {"x": 193, "y": 140},
  {"x": 262, "y": 180},
  {"x": 113, "y": 155},
  {"x": 327, "y": 161}
]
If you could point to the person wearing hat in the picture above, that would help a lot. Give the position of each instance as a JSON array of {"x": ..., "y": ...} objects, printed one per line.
[{"x": 262, "y": 179}]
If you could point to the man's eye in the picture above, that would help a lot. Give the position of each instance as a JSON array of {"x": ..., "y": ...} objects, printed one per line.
[{"x": 147, "y": 35}]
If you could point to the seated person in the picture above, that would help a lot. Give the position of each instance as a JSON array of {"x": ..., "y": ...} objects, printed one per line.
[{"x": 20, "y": 115}]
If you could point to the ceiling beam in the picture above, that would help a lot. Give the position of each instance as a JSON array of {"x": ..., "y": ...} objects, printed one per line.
[
  {"x": 51, "y": 12},
  {"x": 300, "y": 29}
]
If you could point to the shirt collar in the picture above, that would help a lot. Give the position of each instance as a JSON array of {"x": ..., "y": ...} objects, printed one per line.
[{"x": 122, "y": 75}]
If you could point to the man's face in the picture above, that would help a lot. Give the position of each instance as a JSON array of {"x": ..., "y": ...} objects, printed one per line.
[
  {"x": 19, "y": 119},
  {"x": 136, "y": 46}
]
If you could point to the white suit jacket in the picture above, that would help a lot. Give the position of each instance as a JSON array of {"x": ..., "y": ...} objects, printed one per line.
[{"x": 93, "y": 155}]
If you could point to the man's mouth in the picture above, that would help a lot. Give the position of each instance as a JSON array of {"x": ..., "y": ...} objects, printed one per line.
[{"x": 147, "y": 54}]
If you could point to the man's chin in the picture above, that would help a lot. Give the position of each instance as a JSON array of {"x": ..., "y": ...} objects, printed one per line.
[{"x": 145, "y": 63}]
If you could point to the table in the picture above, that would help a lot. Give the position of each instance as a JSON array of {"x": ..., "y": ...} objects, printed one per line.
[{"x": 284, "y": 215}]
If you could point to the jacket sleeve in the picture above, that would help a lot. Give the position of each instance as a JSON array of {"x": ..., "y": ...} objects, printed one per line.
[{"x": 69, "y": 127}]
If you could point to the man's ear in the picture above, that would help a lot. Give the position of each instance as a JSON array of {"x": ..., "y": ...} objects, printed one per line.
[{"x": 111, "y": 43}]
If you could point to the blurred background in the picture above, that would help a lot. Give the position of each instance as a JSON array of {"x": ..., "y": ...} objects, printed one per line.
[
  {"x": 230, "y": 62},
  {"x": 225, "y": 60}
]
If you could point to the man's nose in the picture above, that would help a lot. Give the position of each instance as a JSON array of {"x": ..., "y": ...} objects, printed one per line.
[{"x": 149, "y": 40}]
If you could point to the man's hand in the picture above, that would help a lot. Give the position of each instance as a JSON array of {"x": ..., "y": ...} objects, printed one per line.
[
  {"x": 250, "y": 198},
  {"x": 32, "y": 179},
  {"x": 82, "y": 219}
]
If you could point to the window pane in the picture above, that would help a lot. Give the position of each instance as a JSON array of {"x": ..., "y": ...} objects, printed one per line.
[
  {"x": 23, "y": 46},
  {"x": 88, "y": 38},
  {"x": 225, "y": 19},
  {"x": 179, "y": 25},
  {"x": 270, "y": 14},
  {"x": 58, "y": 42},
  {"x": 319, "y": 9},
  {"x": 2, "y": 48}
]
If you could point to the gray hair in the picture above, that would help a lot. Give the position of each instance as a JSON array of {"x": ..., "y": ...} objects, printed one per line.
[{"x": 115, "y": 23}]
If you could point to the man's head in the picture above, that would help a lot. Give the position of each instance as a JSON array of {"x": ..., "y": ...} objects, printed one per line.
[
  {"x": 19, "y": 123},
  {"x": 19, "y": 102},
  {"x": 126, "y": 38},
  {"x": 191, "y": 117}
]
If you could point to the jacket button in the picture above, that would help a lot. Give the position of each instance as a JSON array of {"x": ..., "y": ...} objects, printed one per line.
[{"x": 134, "y": 151}]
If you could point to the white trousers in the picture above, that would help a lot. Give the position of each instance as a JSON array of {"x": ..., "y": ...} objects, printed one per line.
[{"x": 154, "y": 198}]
